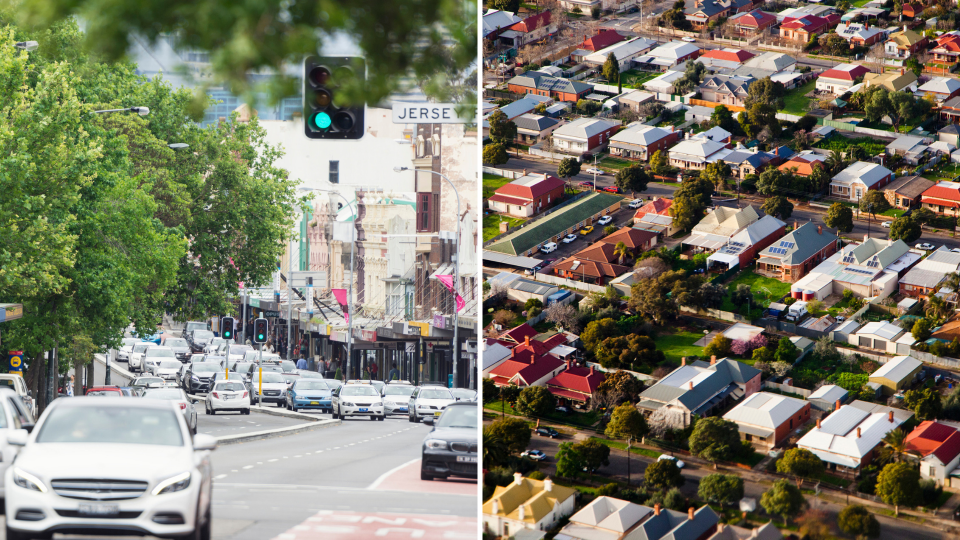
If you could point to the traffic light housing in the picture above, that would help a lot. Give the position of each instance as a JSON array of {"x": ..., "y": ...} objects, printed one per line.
[
  {"x": 260, "y": 330},
  {"x": 326, "y": 113},
  {"x": 226, "y": 328}
]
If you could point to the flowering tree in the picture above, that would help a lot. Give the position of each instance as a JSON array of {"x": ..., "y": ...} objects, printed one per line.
[{"x": 661, "y": 421}]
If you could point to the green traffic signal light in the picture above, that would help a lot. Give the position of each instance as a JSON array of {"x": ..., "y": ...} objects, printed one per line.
[{"x": 321, "y": 120}]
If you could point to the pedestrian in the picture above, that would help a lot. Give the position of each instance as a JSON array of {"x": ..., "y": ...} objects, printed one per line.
[
  {"x": 373, "y": 371},
  {"x": 70, "y": 387},
  {"x": 394, "y": 372},
  {"x": 302, "y": 363}
]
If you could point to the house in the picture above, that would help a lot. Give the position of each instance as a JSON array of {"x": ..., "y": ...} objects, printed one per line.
[
  {"x": 534, "y": 82},
  {"x": 695, "y": 153},
  {"x": 496, "y": 22},
  {"x": 655, "y": 217},
  {"x": 899, "y": 372},
  {"x": 576, "y": 384},
  {"x": 912, "y": 9},
  {"x": 528, "y": 195},
  {"x": 494, "y": 354},
  {"x": 828, "y": 398},
  {"x": 950, "y": 110},
  {"x": 766, "y": 420},
  {"x": 636, "y": 240},
  {"x": 667, "y": 524},
  {"x": 527, "y": 504},
  {"x": 894, "y": 81},
  {"x": 724, "y": 58},
  {"x": 606, "y": 518},
  {"x": 664, "y": 83},
  {"x": 947, "y": 50},
  {"x": 847, "y": 438},
  {"x": 800, "y": 29},
  {"x": 905, "y": 43},
  {"x": 744, "y": 246},
  {"x": 533, "y": 128},
  {"x": 753, "y": 22},
  {"x": 716, "y": 133},
  {"x": 533, "y": 28},
  {"x": 841, "y": 78},
  {"x": 860, "y": 34},
  {"x": 940, "y": 88},
  {"x": 950, "y": 134},
  {"x": 585, "y": 135},
  {"x": 771, "y": 62},
  {"x": 700, "y": 388},
  {"x": 520, "y": 289},
  {"x": 943, "y": 198},
  {"x": 624, "y": 52},
  {"x": 634, "y": 100},
  {"x": 726, "y": 222},
  {"x": 937, "y": 446},
  {"x": 725, "y": 89},
  {"x": 745, "y": 162},
  {"x": 640, "y": 141},
  {"x": 525, "y": 368},
  {"x": 925, "y": 278},
  {"x": 871, "y": 268},
  {"x": 853, "y": 182},
  {"x": 797, "y": 253},
  {"x": 601, "y": 40},
  {"x": 595, "y": 264},
  {"x": 802, "y": 164},
  {"x": 768, "y": 531},
  {"x": 668, "y": 55},
  {"x": 905, "y": 192},
  {"x": 701, "y": 12}
]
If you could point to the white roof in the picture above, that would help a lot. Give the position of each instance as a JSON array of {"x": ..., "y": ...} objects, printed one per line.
[
  {"x": 637, "y": 95},
  {"x": 881, "y": 329},
  {"x": 611, "y": 514},
  {"x": 664, "y": 81},
  {"x": 785, "y": 78},
  {"x": 715, "y": 133},
  {"x": 765, "y": 409},
  {"x": 868, "y": 173},
  {"x": 941, "y": 85},
  {"x": 696, "y": 147},
  {"x": 674, "y": 50},
  {"x": 829, "y": 392},
  {"x": 836, "y": 440},
  {"x": 942, "y": 146},
  {"x": 623, "y": 50},
  {"x": 847, "y": 327},
  {"x": 898, "y": 368},
  {"x": 640, "y": 134},
  {"x": 941, "y": 260},
  {"x": 583, "y": 128},
  {"x": 495, "y": 19},
  {"x": 771, "y": 61}
]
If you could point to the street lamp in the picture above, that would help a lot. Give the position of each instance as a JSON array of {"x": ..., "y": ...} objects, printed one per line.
[
  {"x": 178, "y": 146},
  {"x": 142, "y": 111},
  {"x": 26, "y": 45},
  {"x": 349, "y": 283},
  {"x": 456, "y": 270}
]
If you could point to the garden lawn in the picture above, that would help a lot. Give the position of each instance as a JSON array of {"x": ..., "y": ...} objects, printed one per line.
[
  {"x": 614, "y": 163},
  {"x": 636, "y": 78},
  {"x": 676, "y": 346},
  {"x": 795, "y": 102},
  {"x": 492, "y": 182},
  {"x": 491, "y": 225},
  {"x": 623, "y": 446},
  {"x": 765, "y": 290},
  {"x": 752, "y": 460},
  {"x": 586, "y": 419},
  {"x": 893, "y": 212}
]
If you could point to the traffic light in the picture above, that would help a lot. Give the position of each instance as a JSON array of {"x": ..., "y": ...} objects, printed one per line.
[
  {"x": 327, "y": 115},
  {"x": 260, "y": 330},
  {"x": 226, "y": 328}
]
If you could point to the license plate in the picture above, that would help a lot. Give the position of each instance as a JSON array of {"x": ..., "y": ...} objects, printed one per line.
[
  {"x": 437, "y": 413},
  {"x": 232, "y": 397},
  {"x": 363, "y": 410},
  {"x": 402, "y": 409},
  {"x": 466, "y": 459},
  {"x": 99, "y": 509},
  {"x": 314, "y": 402}
]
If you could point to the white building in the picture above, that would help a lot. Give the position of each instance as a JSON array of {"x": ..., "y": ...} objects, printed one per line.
[
  {"x": 849, "y": 436},
  {"x": 695, "y": 153},
  {"x": 584, "y": 135},
  {"x": 624, "y": 52},
  {"x": 853, "y": 182},
  {"x": 527, "y": 504},
  {"x": 664, "y": 83}
]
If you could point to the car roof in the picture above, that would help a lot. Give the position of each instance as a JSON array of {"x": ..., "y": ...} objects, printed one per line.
[
  {"x": 85, "y": 401},
  {"x": 462, "y": 404}
]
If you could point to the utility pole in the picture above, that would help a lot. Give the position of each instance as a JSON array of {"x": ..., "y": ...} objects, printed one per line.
[{"x": 629, "y": 444}]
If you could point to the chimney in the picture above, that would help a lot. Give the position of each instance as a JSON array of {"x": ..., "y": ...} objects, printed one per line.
[
  {"x": 656, "y": 509},
  {"x": 902, "y": 71},
  {"x": 776, "y": 151},
  {"x": 517, "y": 478},
  {"x": 838, "y": 405},
  {"x": 865, "y": 237},
  {"x": 818, "y": 423},
  {"x": 522, "y": 512},
  {"x": 819, "y": 229},
  {"x": 513, "y": 352},
  {"x": 890, "y": 417},
  {"x": 683, "y": 361},
  {"x": 569, "y": 364},
  {"x": 720, "y": 527},
  {"x": 713, "y": 360},
  {"x": 794, "y": 225},
  {"x": 496, "y": 506},
  {"x": 548, "y": 484},
  {"x": 686, "y": 135},
  {"x": 691, "y": 385},
  {"x": 526, "y": 341},
  {"x": 524, "y": 172},
  {"x": 690, "y": 512},
  {"x": 591, "y": 374},
  {"x": 858, "y": 433}
]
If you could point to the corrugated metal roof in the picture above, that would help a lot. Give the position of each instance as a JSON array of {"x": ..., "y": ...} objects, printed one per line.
[
  {"x": 765, "y": 410},
  {"x": 882, "y": 329},
  {"x": 829, "y": 393},
  {"x": 837, "y": 440},
  {"x": 897, "y": 369}
]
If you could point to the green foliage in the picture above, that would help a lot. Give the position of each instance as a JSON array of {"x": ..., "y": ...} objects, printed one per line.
[
  {"x": 924, "y": 402},
  {"x": 663, "y": 474},
  {"x": 719, "y": 346},
  {"x": 569, "y": 461},
  {"x": 874, "y": 202},
  {"x": 537, "y": 475},
  {"x": 495, "y": 450},
  {"x": 715, "y": 439},
  {"x": 778, "y": 207},
  {"x": 693, "y": 75},
  {"x": 597, "y": 331},
  {"x": 588, "y": 107},
  {"x": 513, "y": 432},
  {"x": 772, "y": 181},
  {"x": 856, "y": 520},
  {"x": 783, "y": 499},
  {"x": 851, "y": 382},
  {"x": 801, "y": 463},
  {"x": 628, "y": 351},
  {"x": 490, "y": 391},
  {"x": 905, "y": 229},
  {"x": 608, "y": 490},
  {"x": 626, "y": 422},
  {"x": 922, "y": 329},
  {"x": 494, "y": 154},
  {"x": 535, "y": 401},
  {"x": 674, "y": 500},
  {"x": 763, "y": 354},
  {"x": 502, "y": 130},
  {"x": 722, "y": 489},
  {"x": 568, "y": 167},
  {"x": 659, "y": 162},
  {"x": 899, "y": 485},
  {"x": 632, "y": 178},
  {"x": 593, "y": 453},
  {"x": 786, "y": 352},
  {"x": 611, "y": 69},
  {"x": 765, "y": 92},
  {"x": 723, "y": 118},
  {"x": 509, "y": 393},
  {"x": 716, "y": 173},
  {"x": 839, "y": 217}
]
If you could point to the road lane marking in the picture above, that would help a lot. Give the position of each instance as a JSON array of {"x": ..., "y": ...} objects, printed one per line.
[
  {"x": 219, "y": 476},
  {"x": 271, "y": 460},
  {"x": 248, "y": 467},
  {"x": 384, "y": 476}
]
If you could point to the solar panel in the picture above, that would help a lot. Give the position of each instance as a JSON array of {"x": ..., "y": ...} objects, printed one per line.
[
  {"x": 873, "y": 263},
  {"x": 848, "y": 259},
  {"x": 787, "y": 244}
]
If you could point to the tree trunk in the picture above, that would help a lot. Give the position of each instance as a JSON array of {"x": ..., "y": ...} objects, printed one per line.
[{"x": 77, "y": 379}]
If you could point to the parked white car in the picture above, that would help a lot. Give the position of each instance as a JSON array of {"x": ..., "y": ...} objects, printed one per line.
[
  {"x": 228, "y": 396},
  {"x": 636, "y": 203},
  {"x": 17, "y": 384},
  {"x": 677, "y": 462},
  {"x": 154, "y": 355},
  {"x": 135, "y": 362},
  {"x": 604, "y": 220},
  {"x": 593, "y": 170},
  {"x": 569, "y": 238},
  {"x": 886, "y": 224},
  {"x": 549, "y": 247},
  {"x": 925, "y": 246}
]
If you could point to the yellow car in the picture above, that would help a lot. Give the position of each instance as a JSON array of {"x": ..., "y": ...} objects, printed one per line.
[{"x": 586, "y": 230}]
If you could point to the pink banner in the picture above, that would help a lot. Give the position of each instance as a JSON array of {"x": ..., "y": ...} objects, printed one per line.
[
  {"x": 341, "y": 296},
  {"x": 447, "y": 281}
]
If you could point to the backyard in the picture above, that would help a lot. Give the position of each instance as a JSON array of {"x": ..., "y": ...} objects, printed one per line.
[
  {"x": 947, "y": 171},
  {"x": 491, "y": 224},
  {"x": 796, "y": 102},
  {"x": 765, "y": 290},
  {"x": 492, "y": 182},
  {"x": 636, "y": 78},
  {"x": 679, "y": 344}
]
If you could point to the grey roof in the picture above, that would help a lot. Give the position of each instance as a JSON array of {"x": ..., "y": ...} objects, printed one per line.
[
  {"x": 923, "y": 278},
  {"x": 673, "y": 525},
  {"x": 535, "y": 122},
  {"x": 727, "y": 84},
  {"x": 897, "y": 369},
  {"x": 675, "y": 386},
  {"x": 952, "y": 129},
  {"x": 752, "y": 71},
  {"x": 910, "y": 186},
  {"x": 531, "y": 287},
  {"x": 540, "y": 81},
  {"x": 900, "y": 414},
  {"x": 754, "y": 430},
  {"x": 905, "y": 142},
  {"x": 829, "y": 393},
  {"x": 799, "y": 244},
  {"x": 494, "y": 353},
  {"x": 709, "y": 8},
  {"x": 585, "y": 127},
  {"x": 772, "y": 61}
]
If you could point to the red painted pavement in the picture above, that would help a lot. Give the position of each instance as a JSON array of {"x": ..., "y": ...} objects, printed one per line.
[
  {"x": 345, "y": 525},
  {"x": 408, "y": 479}
]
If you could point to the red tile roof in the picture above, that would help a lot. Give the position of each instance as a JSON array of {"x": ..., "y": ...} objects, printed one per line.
[
  {"x": 660, "y": 206},
  {"x": 845, "y": 75},
  {"x": 941, "y": 195},
  {"x": 517, "y": 334},
  {"x": 732, "y": 55},
  {"x": 810, "y": 23},
  {"x": 528, "y": 369},
  {"x": 507, "y": 199},
  {"x": 591, "y": 268},
  {"x": 602, "y": 40},
  {"x": 947, "y": 451},
  {"x": 912, "y": 9},
  {"x": 532, "y": 23},
  {"x": 926, "y": 437},
  {"x": 953, "y": 45},
  {"x": 948, "y": 37},
  {"x": 598, "y": 251},
  {"x": 531, "y": 191},
  {"x": 579, "y": 379},
  {"x": 555, "y": 340},
  {"x": 756, "y": 18},
  {"x": 633, "y": 238}
]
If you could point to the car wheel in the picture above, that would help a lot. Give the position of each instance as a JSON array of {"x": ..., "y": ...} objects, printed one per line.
[
  {"x": 279, "y": 404},
  {"x": 246, "y": 411},
  {"x": 294, "y": 409},
  {"x": 416, "y": 419},
  {"x": 381, "y": 418},
  {"x": 410, "y": 418},
  {"x": 372, "y": 417},
  {"x": 425, "y": 476}
]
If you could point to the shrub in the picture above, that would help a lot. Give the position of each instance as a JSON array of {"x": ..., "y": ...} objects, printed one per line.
[
  {"x": 537, "y": 475},
  {"x": 608, "y": 490}
]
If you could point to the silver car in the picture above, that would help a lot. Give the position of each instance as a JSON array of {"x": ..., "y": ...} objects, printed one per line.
[
  {"x": 126, "y": 346},
  {"x": 153, "y": 356},
  {"x": 14, "y": 415},
  {"x": 428, "y": 402},
  {"x": 135, "y": 359},
  {"x": 396, "y": 398},
  {"x": 181, "y": 349},
  {"x": 177, "y": 396}
]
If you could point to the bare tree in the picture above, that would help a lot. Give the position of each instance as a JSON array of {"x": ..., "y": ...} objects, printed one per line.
[
  {"x": 564, "y": 316},
  {"x": 874, "y": 57},
  {"x": 498, "y": 291},
  {"x": 780, "y": 368},
  {"x": 650, "y": 267},
  {"x": 662, "y": 421}
]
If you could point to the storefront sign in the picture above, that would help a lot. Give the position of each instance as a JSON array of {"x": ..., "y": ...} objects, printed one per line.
[
  {"x": 429, "y": 113},
  {"x": 365, "y": 335},
  {"x": 269, "y": 314},
  {"x": 439, "y": 321},
  {"x": 338, "y": 336},
  {"x": 254, "y": 302},
  {"x": 418, "y": 329}
]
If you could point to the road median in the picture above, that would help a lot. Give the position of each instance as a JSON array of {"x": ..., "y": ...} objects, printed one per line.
[{"x": 279, "y": 432}]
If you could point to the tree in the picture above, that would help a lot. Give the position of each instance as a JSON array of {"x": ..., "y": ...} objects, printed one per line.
[
  {"x": 741, "y": 295},
  {"x": 632, "y": 178},
  {"x": 692, "y": 77},
  {"x": 801, "y": 139},
  {"x": 507, "y": 5},
  {"x": 856, "y": 520},
  {"x": 495, "y": 451},
  {"x": 786, "y": 351},
  {"x": 937, "y": 308},
  {"x": 715, "y": 439},
  {"x": 626, "y": 351},
  {"x": 762, "y": 354},
  {"x": 490, "y": 391},
  {"x": 509, "y": 393},
  {"x": 711, "y": 295},
  {"x": 783, "y": 499},
  {"x": 568, "y": 167},
  {"x": 535, "y": 401},
  {"x": 588, "y": 107},
  {"x": 716, "y": 173},
  {"x": 923, "y": 215},
  {"x": 772, "y": 181},
  {"x": 611, "y": 69},
  {"x": 778, "y": 207},
  {"x": 819, "y": 177},
  {"x": 924, "y": 402},
  {"x": 814, "y": 525},
  {"x": 564, "y": 316},
  {"x": 569, "y": 461},
  {"x": 621, "y": 251},
  {"x": 663, "y": 474},
  {"x": 626, "y": 422},
  {"x": 894, "y": 446},
  {"x": 839, "y": 217},
  {"x": 618, "y": 387},
  {"x": 780, "y": 368},
  {"x": 874, "y": 202},
  {"x": 914, "y": 65},
  {"x": 835, "y": 162},
  {"x": 722, "y": 489},
  {"x": 922, "y": 329},
  {"x": 502, "y": 130},
  {"x": 765, "y": 92},
  {"x": 512, "y": 431},
  {"x": 686, "y": 212},
  {"x": 494, "y": 154},
  {"x": 905, "y": 229},
  {"x": 899, "y": 485},
  {"x": 723, "y": 118},
  {"x": 800, "y": 463},
  {"x": 719, "y": 346},
  {"x": 597, "y": 331},
  {"x": 593, "y": 453},
  {"x": 659, "y": 162}
]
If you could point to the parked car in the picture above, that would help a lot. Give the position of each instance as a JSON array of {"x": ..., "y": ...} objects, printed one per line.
[
  {"x": 636, "y": 203},
  {"x": 593, "y": 170},
  {"x": 689, "y": 40},
  {"x": 886, "y": 224},
  {"x": 535, "y": 455},
  {"x": 549, "y": 247},
  {"x": 194, "y": 325},
  {"x": 547, "y": 432},
  {"x": 604, "y": 220},
  {"x": 569, "y": 238},
  {"x": 675, "y": 461},
  {"x": 926, "y": 246},
  {"x": 586, "y": 230},
  {"x": 612, "y": 189},
  {"x": 586, "y": 184}
]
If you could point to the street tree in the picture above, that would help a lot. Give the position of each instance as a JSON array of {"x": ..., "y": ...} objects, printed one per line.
[
  {"x": 786, "y": 351},
  {"x": 659, "y": 162},
  {"x": 839, "y": 217},
  {"x": 621, "y": 387},
  {"x": 906, "y": 229},
  {"x": 778, "y": 207},
  {"x": 783, "y": 499},
  {"x": 772, "y": 181},
  {"x": 568, "y": 167},
  {"x": 494, "y": 154},
  {"x": 570, "y": 462},
  {"x": 857, "y": 521},
  {"x": 662, "y": 475},
  {"x": 495, "y": 451},
  {"x": 716, "y": 173},
  {"x": 513, "y": 432},
  {"x": 722, "y": 489},
  {"x": 633, "y": 178},
  {"x": 874, "y": 202},
  {"x": 535, "y": 401},
  {"x": 593, "y": 453},
  {"x": 801, "y": 463},
  {"x": 715, "y": 439},
  {"x": 626, "y": 422},
  {"x": 899, "y": 485},
  {"x": 503, "y": 131},
  {"x": 926, "y": 403}
]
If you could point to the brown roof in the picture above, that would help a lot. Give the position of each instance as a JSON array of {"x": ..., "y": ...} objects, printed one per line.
[
  {"x": 598, "y": 251},
  {"x": 633, "y": 238},
  {"x": 910, "y": 186},
  {"x": 591, "y": 268},
  {"x": 803, "y": 166}
]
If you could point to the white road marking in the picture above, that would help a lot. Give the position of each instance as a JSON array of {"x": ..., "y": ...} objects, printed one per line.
[
  {"x": 384, "y": 476},
  {"x": 248, "y": 467},
  {"x": 219, "y": 476},
  {"x": 272, "y": 460},
  {"x": 296, "y": 456}
]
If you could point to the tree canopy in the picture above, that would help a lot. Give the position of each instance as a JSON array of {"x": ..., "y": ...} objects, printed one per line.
[
  {"x": 783, "y": 499},
  {"x": 839, "y": 217},
  {"x": 626, "y": 422}
]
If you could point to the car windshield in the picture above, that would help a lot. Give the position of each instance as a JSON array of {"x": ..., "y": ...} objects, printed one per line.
[
  {"x": 311, "y": 385},
  {"x": 222, "y": 375},
  {"x": 287, "y": 366},
  {"x": 8, "y": 383},
  {"x": 103, "y": 424},
  {"x": 463, "y": 393},
  {"x": 140, "y": 347},
  {"x": 304, "y": 374},
  {"x": 206, "y": 367},
  {"x": 159, "y": 353},
  {"x": 195, "y": 325},
  {"x": 147, "y": 380},
  {"x": 170, "y": 364},
  {"x": 106, "y": 392},
  {"x": 458, "y": 417},
  {"x": 175, "y": 342},
  {"x": 202, "y": 334},
  {"x": 404, "y": 391},
  {"x": 270, "y": 377},
  {"x": 229, "y": 387},
  {"x": 269, "y": 369},
  {"x": 163, "y": 393},
  {"x": 359, "y": 390},
  {"x": 435, "y": 393}
]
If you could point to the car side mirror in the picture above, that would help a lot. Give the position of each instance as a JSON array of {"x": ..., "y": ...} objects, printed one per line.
[
  {"x": 202, "y": 441},
  {"x": 18, "y": 437},
  {"x": 26, "y": 426}
]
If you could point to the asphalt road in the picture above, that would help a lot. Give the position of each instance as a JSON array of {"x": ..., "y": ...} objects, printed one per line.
[{"x": 231, "y": 423}]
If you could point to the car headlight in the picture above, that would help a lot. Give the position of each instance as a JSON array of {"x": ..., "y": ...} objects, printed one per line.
[
  {"x": 377, "y": 404},
  {"x": 347, "y": 404},
  {"x": 435, "y": 444},
  {"x": 194, "y": 378},
  {"x": 28, "y": 481},
  {"x": 173, "y": 484}
]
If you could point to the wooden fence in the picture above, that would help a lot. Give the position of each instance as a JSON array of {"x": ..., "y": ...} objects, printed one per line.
[{"x": 713, "y": 104}]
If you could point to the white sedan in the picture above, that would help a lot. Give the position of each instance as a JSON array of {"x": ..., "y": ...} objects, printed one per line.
[
  {"x": 675, "y": 461},
  {"x": 886, "y": 224},
  {"x": 535, "y": 455},
  {"x": 636, "y": 203},
  {"x": 569, "y": 238},
  {"x": 604, "y": 220},
  {"x": 228, "y": 396},
  {"x": 689, "y": 40},
  {"x": 593, "y": 170},
  {"x": 925, "y": 246}
]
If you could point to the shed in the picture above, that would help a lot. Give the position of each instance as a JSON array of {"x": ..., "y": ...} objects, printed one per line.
[
  {"x": 826, "y": 397},
  {"x": 907, "y": 305},
  {"x": 896, "y": 374},
  {"x": 804, "y": 345}
]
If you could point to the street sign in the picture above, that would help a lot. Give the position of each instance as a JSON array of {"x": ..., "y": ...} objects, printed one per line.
[
  {"x": 429, "y": 113},
  {"x": 269, "y": 314},
  {"x": 299, "y": 279},
  {"x": 16, "y": 362}
]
